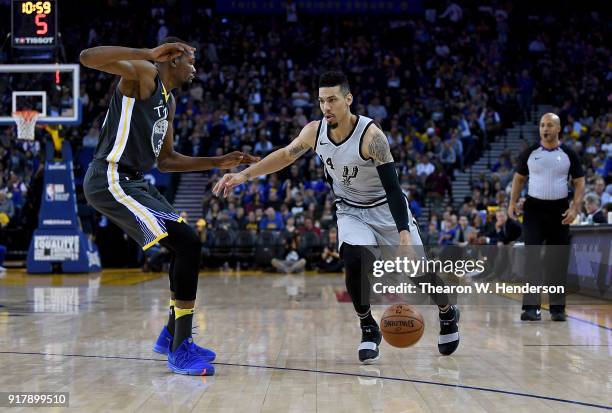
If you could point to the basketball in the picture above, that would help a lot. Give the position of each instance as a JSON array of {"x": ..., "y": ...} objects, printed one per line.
[{"x": 401, "y": 325}]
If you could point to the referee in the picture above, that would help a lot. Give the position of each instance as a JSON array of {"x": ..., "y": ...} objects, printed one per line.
[{"x": 547, "y": 212}]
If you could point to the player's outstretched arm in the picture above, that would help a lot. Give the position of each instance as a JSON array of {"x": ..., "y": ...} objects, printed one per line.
[
  {"x": 171, "y": 161},
  {"x": 275, "y": 161},
  {"x": 375, "y": 146}
]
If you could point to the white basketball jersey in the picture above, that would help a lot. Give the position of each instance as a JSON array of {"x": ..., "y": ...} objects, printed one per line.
[{"x": 354, "y": 179}]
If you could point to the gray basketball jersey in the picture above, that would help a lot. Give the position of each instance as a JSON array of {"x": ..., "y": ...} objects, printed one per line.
[{"x": 353, "y": 178}]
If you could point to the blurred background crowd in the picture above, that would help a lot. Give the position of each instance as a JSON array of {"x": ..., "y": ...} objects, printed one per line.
[{"x": 443, "y": 84}]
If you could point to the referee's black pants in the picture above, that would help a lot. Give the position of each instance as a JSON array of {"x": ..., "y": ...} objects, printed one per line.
[{"x": 546, "y": 265}]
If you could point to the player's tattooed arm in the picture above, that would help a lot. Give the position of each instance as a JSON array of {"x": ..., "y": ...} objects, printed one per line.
[
  {"x": 297, "y": 149},
  {"x": 378, "y": 147},
  {"x": 304, "y": 142}
]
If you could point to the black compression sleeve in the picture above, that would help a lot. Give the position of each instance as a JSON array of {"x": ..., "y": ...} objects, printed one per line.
[{"x": 395, "y": 196}]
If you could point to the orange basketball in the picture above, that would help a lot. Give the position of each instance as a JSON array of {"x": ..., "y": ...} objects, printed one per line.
[{"x": 402, "y": 325}]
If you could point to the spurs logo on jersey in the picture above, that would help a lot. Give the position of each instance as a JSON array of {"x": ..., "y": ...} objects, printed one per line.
[
  {"x": 346, "y": 177},
  {"x": 353, "y": 178}
]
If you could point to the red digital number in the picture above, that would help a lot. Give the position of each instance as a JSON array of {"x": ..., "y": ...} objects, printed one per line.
[{"x": 42, "y": 25}]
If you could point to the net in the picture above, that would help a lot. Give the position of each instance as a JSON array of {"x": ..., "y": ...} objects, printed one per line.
[{"x": 26, "y": 123}]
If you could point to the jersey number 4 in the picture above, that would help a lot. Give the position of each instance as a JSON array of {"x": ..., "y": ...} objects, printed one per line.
[{"x": 327, "y": 162}]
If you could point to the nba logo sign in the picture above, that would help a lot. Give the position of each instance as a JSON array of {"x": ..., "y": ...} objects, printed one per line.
[
  {"x": 56, "y": 192},
  {"x": 50, "y": 192}
]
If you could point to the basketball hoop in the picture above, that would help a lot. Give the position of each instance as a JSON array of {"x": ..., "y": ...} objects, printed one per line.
[{"x": 26, "y": 122}]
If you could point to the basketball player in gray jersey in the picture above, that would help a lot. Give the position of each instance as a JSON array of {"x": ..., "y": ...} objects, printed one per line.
[
  {"x": 371, "y": 207},
  {"x": 136, "y": 134}
]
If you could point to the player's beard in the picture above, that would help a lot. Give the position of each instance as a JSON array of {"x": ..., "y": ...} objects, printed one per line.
[{"x": 335, "y": 124}]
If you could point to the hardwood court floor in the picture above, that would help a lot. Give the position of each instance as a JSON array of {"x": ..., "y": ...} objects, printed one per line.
[{"x": 286, "y": 344}]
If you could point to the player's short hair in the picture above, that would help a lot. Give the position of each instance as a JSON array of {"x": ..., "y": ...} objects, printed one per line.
[
  {"x": 334, "y": 78},
  {"x": 172, "y": 39}
]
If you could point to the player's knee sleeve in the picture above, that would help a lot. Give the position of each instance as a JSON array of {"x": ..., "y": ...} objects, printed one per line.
[
  {"x": 184, "y": 243},
  {"x": 357, "y": 261}
]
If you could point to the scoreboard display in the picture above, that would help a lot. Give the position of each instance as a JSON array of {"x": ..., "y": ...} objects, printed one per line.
[{"x": 34, "y": 24}]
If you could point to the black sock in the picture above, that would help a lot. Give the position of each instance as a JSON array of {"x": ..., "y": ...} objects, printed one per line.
[
  {"x": 170, "y": 325},
  {"x": 182, "y": 325},
  {"x": 367, "y": 319}
]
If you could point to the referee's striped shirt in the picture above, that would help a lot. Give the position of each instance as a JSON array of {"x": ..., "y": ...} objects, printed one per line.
[{"x": 548, "y": 170}]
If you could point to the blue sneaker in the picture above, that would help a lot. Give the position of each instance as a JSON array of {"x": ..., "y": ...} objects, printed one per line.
[
  {"x": 187, "y": 360},
  {"x": 164, "y": 342}
]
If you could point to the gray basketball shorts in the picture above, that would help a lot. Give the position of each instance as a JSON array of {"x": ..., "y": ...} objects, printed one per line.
[
  {"x": 134, "y": 205},
  {"x": 371, "y": 226}
]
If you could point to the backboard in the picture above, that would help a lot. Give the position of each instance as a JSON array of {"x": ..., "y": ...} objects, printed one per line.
[{"x": 51, "y": 89}]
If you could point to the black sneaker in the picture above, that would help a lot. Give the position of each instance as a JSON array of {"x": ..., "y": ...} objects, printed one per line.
[
  {"x": 448, "y": 340},
  {"x": 370, "y": 340},
  {"x": 531, "y": 314},
  {"x": 558, "y": 316}
]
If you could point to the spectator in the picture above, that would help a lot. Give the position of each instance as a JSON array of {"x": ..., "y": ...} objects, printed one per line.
[
  {"x": 601, "y": 191},
  {"x": 225, "y": 221},
  {"x": 432, "y": 236},
  {"x": 292, "y": 262},
  {"x": 526, "y": 87},
  {"x": 592, "y": 206},
  {"x": 453, "y": 12},
  {"x": 301, "y": 97},
  {"x": 376, "y": 110},
  {"x": 437, "y": 185},
  {"x": 463, "y": 231},
  {"x": 448, "y": 233},
  {"x": 263, "y": 146},
  {"x": 330, "y": 258},
  {"x": 272, "y": 221},
  {"x": 7, "y": 208},
  {"x": 424, "y": 167},
  {"x": 309, "y": 227},
  {"x": 503, "y": 230},
  {"x": 448, "y": 157},
  {"x": 251, "y": 222}
]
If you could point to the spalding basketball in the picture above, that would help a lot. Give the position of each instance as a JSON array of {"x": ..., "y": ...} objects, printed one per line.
[{"x": 402, "y": 325}]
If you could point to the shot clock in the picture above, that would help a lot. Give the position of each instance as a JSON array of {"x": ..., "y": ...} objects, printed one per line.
[{"x": 34, "y": 24}]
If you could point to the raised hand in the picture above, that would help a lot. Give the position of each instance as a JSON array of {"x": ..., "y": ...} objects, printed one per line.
[{"x": 169, "y": 51}]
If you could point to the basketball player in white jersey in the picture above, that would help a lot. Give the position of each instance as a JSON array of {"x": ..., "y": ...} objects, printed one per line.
[{"x": 371, "y": 208}]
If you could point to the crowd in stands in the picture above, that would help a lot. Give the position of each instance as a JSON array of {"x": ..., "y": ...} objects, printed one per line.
[{"x": 442, "y": 86}]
